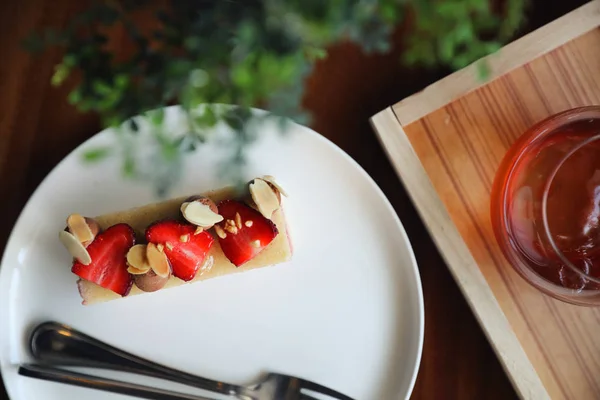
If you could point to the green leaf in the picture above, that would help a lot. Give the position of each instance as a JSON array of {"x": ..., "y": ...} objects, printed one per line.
[
  {"x": 96, "y": 154},
  {"x": 101, "y": 87},
  {"x": 483, "y": 70},
  {"x": 207, "y": 119},
  {"x": 389, "y": 11},
  {"x": 61, "y": 72},
  {"x": 121, "y": 81},
  {"x": 128, "y": 167},
  {"x": 74, "y": 96},
  {"x": 157, "y": 116},
  {"x": 315, "y": 53}
]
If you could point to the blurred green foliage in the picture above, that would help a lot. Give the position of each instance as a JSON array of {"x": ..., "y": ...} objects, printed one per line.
[{"x": 247, "y": 53}]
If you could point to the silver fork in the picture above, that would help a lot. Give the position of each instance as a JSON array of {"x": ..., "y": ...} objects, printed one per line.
[{"x": 59, "y": 344}]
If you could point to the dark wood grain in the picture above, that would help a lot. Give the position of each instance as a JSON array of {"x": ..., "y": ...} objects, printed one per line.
[{"x": 38, "y": 128}]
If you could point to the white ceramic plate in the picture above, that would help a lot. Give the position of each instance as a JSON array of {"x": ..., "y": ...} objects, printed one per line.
[{"x": 346, "y": 312}]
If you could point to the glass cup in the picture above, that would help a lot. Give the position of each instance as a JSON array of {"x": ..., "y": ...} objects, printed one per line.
[{"x": 545, "y": 206}]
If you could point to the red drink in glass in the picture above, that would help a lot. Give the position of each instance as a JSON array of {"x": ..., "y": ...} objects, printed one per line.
[{"x": 546, "y": 206}]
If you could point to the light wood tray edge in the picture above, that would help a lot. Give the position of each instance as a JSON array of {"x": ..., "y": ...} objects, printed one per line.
[
  {"x": 510, "y": 57},
  {"x": 457, "y": 256}
]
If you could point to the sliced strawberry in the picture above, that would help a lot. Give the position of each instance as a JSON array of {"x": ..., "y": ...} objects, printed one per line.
[
  {"x": 250, "y": 235},
  {"x": 185, "y": 250},
  {"x": 109, "y": 266}
]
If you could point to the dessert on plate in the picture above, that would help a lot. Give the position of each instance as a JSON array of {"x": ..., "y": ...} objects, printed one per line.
[{"x": 178, "y": 241}]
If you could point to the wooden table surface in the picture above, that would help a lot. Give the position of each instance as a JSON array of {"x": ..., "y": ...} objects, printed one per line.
[{"x": 38, "y": 128}]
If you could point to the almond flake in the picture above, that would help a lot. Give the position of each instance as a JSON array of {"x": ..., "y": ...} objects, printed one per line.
[
  {"x": 198, "y": 230},
  {"x": 184, "y": 206},
  {"x": 79, "y": 227},
  {"x": 220, "y": 232},
  {"x": 135, "y": 271},
  {"x": 256, "y": 243},
  {"x": 238, "y": 220},
  {"x": 168, "y": 245},
  {"x": 184, "y": 238},
  {"x": 136, "y": 258},
  {"x": 272, "y": 181},
  {"x": 75, "y": 248},
  {"x": 264, "y": 197},
  {"x": 200, "y": 214},
  {"x": 157, "y": 260},
  {"x": 161, "y": 247},
  {"x": 249, "y": 223}
]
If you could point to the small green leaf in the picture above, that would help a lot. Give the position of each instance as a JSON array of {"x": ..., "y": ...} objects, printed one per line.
[
  {"x": 128, "y": 167},
  {"x": 121, "y": 81},
  {"x": 315, "y": 53},
  {"x": 112, "y": 121},
  {"x": 69, "y": 60},
  {"x": 208, "y": 118},
  {"x": 96, "y": 154},
  {"x": 170, "y": 150},
  {"x": 483, "y": 70},
  {"x": 74, "y": 96},
  {"x": 61, "y": 72},
  {"x": 101, "y": 87},
  {"x": 198, "y": 78},
  {"x": 390, "y": 11},
  {"x": 157, "y": 116}
]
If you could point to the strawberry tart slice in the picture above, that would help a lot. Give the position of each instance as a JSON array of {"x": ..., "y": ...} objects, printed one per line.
[{"x": 178, "y": 241}]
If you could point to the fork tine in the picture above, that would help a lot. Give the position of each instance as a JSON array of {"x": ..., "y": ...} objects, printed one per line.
[{"x": 315, "y": 387}]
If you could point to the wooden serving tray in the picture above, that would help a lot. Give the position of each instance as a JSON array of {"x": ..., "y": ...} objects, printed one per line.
[{"x": 446, "y": 143}]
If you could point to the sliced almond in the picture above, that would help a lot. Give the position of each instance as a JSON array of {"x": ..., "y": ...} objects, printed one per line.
[
  {"x": 75, "y": 248},
  {"x": 198, "y": 230},
  {"x": 264, "y": 197},
  {"x": 183, "y": 206},
  {"x": 238, "y": 220},
  {"x": 158, "y": 260},
  {"x": 231, "y": 229},
  {"x": 168, "y": 245},
  {"x": 200, "y": 214},
  {"x": 136, "y": 258},
  {"x": 79, "y": 227},
  {"x": 204, "y": 200},
  {"x": 184, "y": 238},
  {"x": 220, "y": 232},
  {"x": 256, "y": 243},
  {"x": 272, "y": 181},
  {"x": 161, "y": 247},
  {"x": 135, "y": 271},
  {"x": 249, "y": 223}
]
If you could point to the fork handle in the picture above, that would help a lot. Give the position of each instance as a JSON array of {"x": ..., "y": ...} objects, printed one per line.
[
  {"x": 59, "y": 344},
  {"x": 108, "y": 385}
]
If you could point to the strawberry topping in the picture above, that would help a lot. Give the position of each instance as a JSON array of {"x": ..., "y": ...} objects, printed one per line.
[
  {"x": 185, "y": 249},
  {"x": 109, "y": 266},
  {"x": 244, "y": 232}
]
